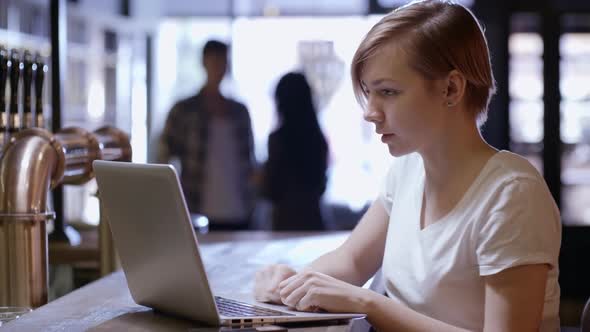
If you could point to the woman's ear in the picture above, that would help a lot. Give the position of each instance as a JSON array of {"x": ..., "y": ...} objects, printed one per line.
[{"x": 455, "y": 88}]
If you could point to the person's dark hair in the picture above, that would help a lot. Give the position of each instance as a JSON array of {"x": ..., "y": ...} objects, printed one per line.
[
  {"x": 301, "y": 131},
  {"x": 215, "y": 47},
  {"x": 294, "y": 100}
]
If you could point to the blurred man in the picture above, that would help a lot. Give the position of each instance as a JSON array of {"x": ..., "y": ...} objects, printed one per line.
[{"x": 212, "y": 137}]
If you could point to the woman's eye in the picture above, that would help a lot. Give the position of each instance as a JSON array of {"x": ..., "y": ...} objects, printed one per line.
[{"x": 387, "y": 92}]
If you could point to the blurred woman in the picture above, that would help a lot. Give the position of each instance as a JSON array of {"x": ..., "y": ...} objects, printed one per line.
[{"x": 294, "y": 176}]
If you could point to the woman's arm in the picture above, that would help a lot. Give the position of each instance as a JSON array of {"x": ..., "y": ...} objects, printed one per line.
[
  {"x": 361, "y": 255},
  {"x": 310, "y": 290},
  {"x": 355, "y": 261},
  {"x": 513, "y": 302},
  {"x": 385, "y": 314},
  {"x": 515, "y": 298}
]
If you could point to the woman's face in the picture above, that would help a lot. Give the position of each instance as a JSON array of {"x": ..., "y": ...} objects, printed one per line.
[{"x": 407, "y": 110}]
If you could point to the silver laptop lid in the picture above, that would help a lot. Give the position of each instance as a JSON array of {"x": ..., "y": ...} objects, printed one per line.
[
  {"x": 144, "y": 204},
  {"x": 153, "y": 234}
]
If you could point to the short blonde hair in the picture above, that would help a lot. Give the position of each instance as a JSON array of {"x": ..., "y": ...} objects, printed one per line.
[{"x": 438, "y": 36}]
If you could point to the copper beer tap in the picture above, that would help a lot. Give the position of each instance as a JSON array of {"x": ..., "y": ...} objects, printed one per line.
[{"x": 34, "y": 161}]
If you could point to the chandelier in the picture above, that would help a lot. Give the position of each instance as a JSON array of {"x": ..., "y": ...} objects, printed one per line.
[{"x": 322, "y": 68}]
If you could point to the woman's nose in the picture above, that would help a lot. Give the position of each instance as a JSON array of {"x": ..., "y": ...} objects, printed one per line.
[{"x": 372, "y": 112}]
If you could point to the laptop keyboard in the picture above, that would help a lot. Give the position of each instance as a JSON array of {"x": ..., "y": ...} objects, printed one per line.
[{"x": 232, "y": 308}]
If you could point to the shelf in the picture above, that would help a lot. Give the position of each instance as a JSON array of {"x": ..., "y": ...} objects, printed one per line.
[{"x": 12, "y": 39}]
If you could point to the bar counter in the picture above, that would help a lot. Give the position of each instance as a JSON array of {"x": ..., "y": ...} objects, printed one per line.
[{"x": 231, "y": 260}]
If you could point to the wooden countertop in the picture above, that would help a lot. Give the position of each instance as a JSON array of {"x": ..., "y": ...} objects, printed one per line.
[{"x": 106, "y": 305}]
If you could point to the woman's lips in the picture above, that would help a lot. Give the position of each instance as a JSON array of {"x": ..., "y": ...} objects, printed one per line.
[{"x": 386, "y": 137}]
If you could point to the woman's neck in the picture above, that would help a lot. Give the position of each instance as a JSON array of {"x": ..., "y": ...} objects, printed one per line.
[{"x": 461, "y": 153}]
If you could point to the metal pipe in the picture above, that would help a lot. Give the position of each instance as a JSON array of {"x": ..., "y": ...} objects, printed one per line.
[
  {"x": 114, "y": 144},
  {"x": 80, "y": 149},
  {"x": 33, "y": 162}
]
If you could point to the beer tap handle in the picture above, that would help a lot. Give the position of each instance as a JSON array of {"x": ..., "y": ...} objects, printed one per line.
[
  {"x": 15, "y": 68},
  {"x": 40, "y": 70},
  {"x": 3, "y": 77},
  {"x": 27, "y": 79}
]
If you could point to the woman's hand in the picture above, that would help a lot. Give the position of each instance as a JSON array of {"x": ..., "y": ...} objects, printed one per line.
[
  {"x": 267, "y": 280},
  {"x": 312, "y": 291}
]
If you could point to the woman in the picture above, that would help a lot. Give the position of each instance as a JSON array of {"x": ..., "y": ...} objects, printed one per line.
[
  {"x": 294, "y": 176},
  {"x": 467, "y": 237}
]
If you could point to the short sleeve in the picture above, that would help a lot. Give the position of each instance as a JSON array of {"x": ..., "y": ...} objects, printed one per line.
[
  {"x": 522, "y": 227},
  {"x": 388, "y": 186}
]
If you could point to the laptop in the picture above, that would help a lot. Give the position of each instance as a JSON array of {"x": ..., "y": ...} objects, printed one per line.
[{"x": 159, "y": 251}]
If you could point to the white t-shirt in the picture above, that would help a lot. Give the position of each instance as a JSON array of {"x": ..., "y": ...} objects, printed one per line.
[
  {"x": 505, "y": 219},
  {"x": 222, "y": 198}
]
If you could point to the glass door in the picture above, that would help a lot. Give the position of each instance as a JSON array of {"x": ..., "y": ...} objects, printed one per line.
[
  {"x": 525, "y": 76},
  {"x": 574, "y": 86}
]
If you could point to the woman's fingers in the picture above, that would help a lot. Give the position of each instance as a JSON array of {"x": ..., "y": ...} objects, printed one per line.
[
  {"x": 279, "y": 276},
  {"x": 267, "y": 280},
  {"x": 290, "y": 284},
  {"x": 307, "y": 290},
  {"x": 309, "y": 302},
  {"x": 306, "y": 283},
  {"x": 293, "y": 298}
]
